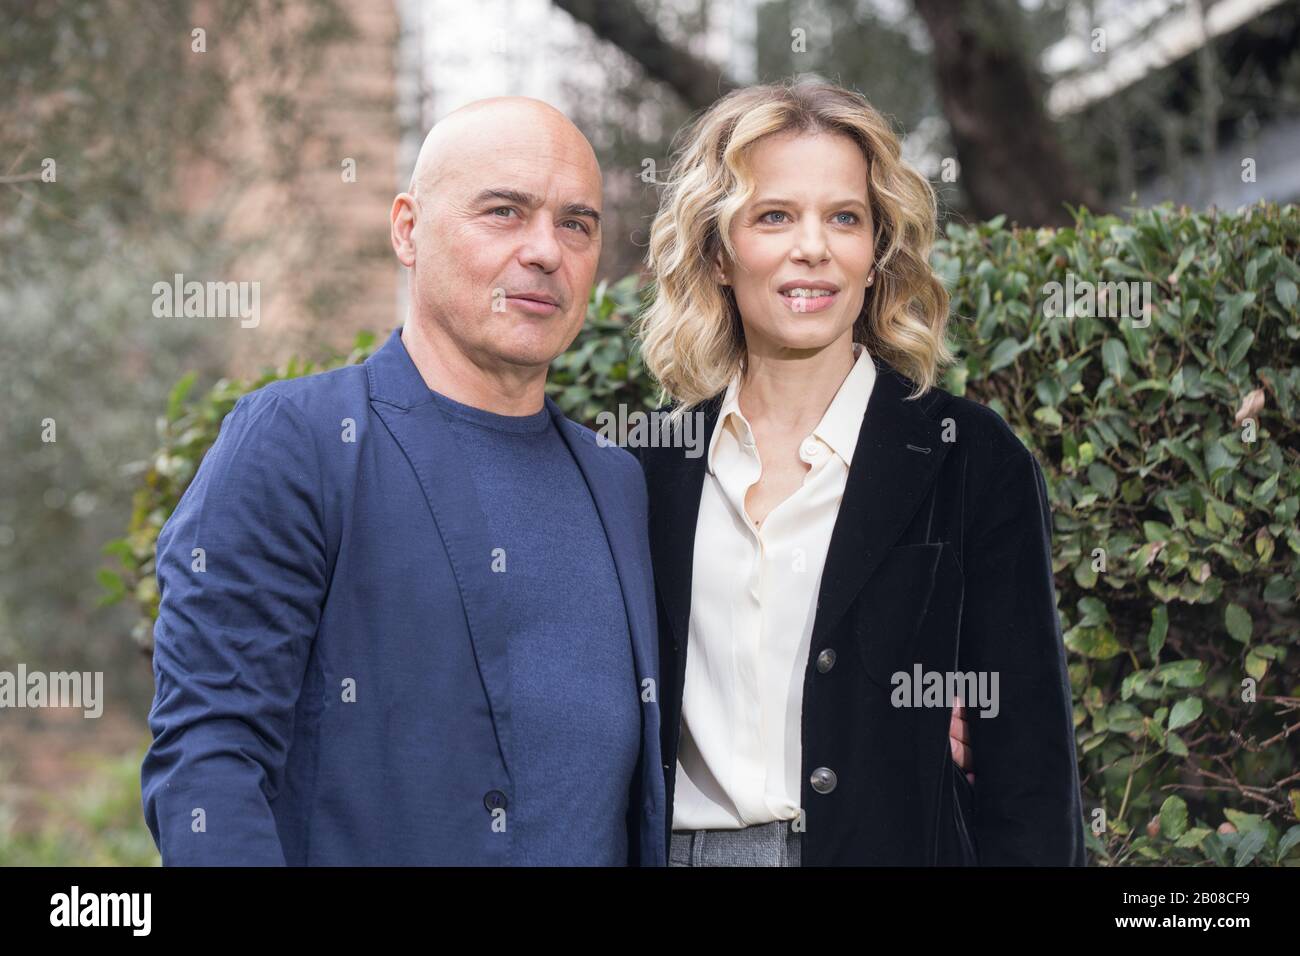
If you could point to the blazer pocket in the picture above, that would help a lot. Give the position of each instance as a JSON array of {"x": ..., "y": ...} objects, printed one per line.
[{"x": 890, "y": 608}]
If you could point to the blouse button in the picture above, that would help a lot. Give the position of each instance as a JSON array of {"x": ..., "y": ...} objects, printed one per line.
[
  {"x": 826, "y": 660},
  {"x": 810, "y": 448}
]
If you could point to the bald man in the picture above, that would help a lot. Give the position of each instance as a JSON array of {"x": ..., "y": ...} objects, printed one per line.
[{"x": 407, "y": 613}]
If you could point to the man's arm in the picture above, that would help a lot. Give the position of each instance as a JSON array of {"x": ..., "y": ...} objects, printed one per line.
[
  {"x": 241, "y": 571},
  {"x": 1027, "y": 803}
]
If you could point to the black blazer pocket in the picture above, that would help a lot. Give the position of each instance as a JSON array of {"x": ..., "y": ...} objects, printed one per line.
[{"x": 890, "y": 608}]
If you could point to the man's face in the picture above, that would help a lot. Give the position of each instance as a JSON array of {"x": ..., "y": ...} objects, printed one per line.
[{"x": 506, "y": 240}]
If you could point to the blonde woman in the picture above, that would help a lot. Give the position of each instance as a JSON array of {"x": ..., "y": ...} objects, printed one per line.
[{"x": 856, "y": 551}]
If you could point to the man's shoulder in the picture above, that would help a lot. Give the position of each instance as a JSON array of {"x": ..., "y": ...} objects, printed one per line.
[{"x": 314, "y": 400}]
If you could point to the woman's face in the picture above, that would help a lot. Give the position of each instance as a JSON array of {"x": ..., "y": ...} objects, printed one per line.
[{"x": 803, "y": 243}]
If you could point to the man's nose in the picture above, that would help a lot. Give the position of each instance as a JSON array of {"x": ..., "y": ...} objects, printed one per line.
[{"x": 540, "y": 247}]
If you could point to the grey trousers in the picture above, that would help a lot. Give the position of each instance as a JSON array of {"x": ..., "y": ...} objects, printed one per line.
[{"x": 766, "y": 844}]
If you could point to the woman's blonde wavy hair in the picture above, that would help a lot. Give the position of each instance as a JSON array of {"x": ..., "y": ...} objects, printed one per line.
[{"x": 691, "y": 336}]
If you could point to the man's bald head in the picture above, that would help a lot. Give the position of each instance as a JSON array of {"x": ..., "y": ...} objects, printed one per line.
[
  {"x": 501, "y": 232},
  {"x": 460, "y": 136}
]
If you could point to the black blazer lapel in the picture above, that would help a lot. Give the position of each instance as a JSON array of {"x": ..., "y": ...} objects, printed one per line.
[
  {"x": 898, "y": 455},
  {"x": 675, "y": 488}
]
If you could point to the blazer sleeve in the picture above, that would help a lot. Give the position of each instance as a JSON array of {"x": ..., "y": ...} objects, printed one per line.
[
  {"x": 242, "y": 573},
  {"x": 1028, "y": 808}
]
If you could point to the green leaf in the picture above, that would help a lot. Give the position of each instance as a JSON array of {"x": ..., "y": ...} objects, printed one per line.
[
  {"x": 1249, "y": 845},
  {"x": 1047, "y": 416},
  {"x": 1123, "y": 718},
  {"x": 1241, "y": 343},
  {"x": 1240, "y": 626},
  {"x": 1185, "y": 674},
  {"x": 1097, "y": 643},
  {"x": 1192, "y": 838},
  {"x": 1173, "y": 817},
  {"x": 177, "y": 396},
  {"x": 1218, "y": 459},
  {"x": 1114, "y": 358},
  {"x": 1279, "y": 590},
  {"x": 1159, "y": 628},
  {"x": 1184, "y": 712},
  {"x": 1093, "y": 611},
  {"x": 1256, "y": 665},
  {"x": 1103, "y": 479},
  {"x": 1004, "y": 354},
  {"x": 1286, "y": 292},
  {"x": 1289, "y": 839},
  {"x": 1242, "y": 820},
  {"x": 1156, "y": 531}
]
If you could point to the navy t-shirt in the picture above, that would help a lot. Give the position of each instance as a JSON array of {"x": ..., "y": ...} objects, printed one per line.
[{"x": 574, "y": 702}]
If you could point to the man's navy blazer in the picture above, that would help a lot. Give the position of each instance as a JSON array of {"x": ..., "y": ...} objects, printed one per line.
[{"x": 331, "y": 676}]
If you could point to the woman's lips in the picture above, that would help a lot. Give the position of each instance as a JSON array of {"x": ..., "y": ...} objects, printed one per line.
[{"x": 809, "y": 303}]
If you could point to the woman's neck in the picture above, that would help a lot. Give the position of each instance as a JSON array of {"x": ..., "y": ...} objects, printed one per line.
[{"x": 791, "y": 389}]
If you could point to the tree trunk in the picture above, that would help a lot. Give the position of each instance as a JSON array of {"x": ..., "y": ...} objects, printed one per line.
[
  {"x": 1010, "y": 158},
  {"x": 620, "y": 22}
]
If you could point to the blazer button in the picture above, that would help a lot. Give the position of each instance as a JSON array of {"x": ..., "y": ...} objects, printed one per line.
[
  {"x": 826, "y": 660},
  {"x": 494, "y": 800},
  {"x": 823, "y": 780}
]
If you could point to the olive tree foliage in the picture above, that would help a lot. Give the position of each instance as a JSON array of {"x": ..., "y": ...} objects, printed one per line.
[{"x": 109, "y": 112}]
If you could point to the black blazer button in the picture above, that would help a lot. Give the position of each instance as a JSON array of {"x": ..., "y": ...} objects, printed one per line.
[
  {"x": 494, "y": 800},
  {"x": 826, "y": 660},
  {"x": 823, "y": 780}
]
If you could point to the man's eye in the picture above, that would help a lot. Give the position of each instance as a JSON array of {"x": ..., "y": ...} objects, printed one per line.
[
  {"x": 579, "y": 223},
  {"x": 501, "y": 209}
]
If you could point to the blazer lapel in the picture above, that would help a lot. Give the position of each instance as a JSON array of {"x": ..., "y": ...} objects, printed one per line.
[
  {"x": 677, "y": 488},
  {"x": 402, "y": 400},
  {"x": 624, "y": 525},
  {"x": 897, "y": 457},
  {"x": 898, "y": 454},
  {"x": 611, "y": 506}
]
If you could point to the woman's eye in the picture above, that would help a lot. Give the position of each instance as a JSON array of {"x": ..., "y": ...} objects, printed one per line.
[
  {"x": 852, "y": 219},
  {"x": 766, "y": 215}
]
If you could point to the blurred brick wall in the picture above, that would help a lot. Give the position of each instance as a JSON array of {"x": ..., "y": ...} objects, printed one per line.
[{"x": 317, "y": 244}]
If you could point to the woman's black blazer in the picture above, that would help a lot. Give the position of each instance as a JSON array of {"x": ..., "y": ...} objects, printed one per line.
[{"x": 940, "y": 557}]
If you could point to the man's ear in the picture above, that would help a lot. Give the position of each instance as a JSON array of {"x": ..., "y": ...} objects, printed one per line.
[{"x": 402, "y": 228}]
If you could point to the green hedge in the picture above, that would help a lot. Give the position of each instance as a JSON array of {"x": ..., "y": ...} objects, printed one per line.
[{"x": 1177, "y": 554}]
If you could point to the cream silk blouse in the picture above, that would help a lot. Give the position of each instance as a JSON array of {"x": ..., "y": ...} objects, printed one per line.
[{"x": 753, "y": 602}]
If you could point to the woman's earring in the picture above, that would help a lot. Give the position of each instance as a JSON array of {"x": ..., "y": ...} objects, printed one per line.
[{"x": 871, "y": 279}]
